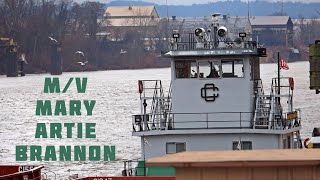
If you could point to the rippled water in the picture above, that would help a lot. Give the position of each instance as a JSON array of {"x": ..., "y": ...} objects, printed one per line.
[{"x": 117, "y": 99}]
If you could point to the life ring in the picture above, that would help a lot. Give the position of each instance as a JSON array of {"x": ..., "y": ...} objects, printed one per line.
[
  {"x": 291, "y": 83},
  {"x": 140, "y": 85},
  {"x": 305, "y": 142}
]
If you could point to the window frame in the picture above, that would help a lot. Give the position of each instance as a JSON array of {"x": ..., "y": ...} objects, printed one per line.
[
  {"x": 233, "y": 59},
  {"x": 185, "y": 61},
  {"x": 242, "y": 142},
  {"x": 175, "y": 144},
  {"x": 214, "y": 60},
  {"x": 197, "y": 62}
]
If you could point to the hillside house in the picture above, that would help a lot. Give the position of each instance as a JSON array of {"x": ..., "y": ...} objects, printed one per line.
[{"x": 132, "y": 16}]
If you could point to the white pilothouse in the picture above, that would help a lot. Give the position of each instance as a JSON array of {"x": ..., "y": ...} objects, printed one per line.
[{"x": 216, "y": 100}]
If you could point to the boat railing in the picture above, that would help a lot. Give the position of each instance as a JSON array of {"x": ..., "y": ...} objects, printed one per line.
[
  {"x": 286, "y": 120},
  {"x": 157, "y": 94},
  {"x": 189, "y": 42},
  {"x": 152, "y": 93},
  {"x": 270, "y": 108},
  {"x": 285, "y": 87},
  {"x": 258, "y": 87},
  {"x": 150, "y": 88},
  {"x": 134, "y": 167},
  {"x": 263, "y": 107},
  {"x": 232, "y": 120},
  {"x": 169, "y": 107}
]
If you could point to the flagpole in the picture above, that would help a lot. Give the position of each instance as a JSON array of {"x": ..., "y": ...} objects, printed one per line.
[{"x": 279, "y": 75}]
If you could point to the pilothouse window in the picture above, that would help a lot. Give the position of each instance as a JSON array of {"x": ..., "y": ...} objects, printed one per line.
[
  {"x": 209, "y": 69},
  {"x": 202, "y": 69},
  {"x": 232, "y": 68},
  {"x": 186, "y": 69}
]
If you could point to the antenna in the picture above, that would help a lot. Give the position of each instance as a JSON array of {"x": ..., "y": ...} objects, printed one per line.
[
  {"x": 282, "y": 8},
  {"x": 248, "y": 10},
  {"x": 167, "y": 10}
]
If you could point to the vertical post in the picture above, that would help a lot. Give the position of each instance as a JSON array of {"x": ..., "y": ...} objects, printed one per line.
[
  {"x": 233, "y": 67},
  {"x": 144, "y": 155},
  {"x": 279, "y": 103},
  {"x": 167, "y": 10},
  {"x": 215, "y": 28},
  {"x": 189, "y": 41},
  {"x": 124, "y": 172},
  {"x": 215, "y": 18},
  {"x": 248, "y": 10},
  {"x": 240, "y": 121},
  {"x": 145, "y": 114},
  {"x": 279, "y": 74},
  {"x": 287, "y": 38},
  {"x": 207, "y": 121}
]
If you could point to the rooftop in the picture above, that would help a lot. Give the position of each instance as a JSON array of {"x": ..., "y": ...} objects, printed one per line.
[
  {"x": 234, "y": 20},
  {"x": 129, "y": 11},
  {"x": 132, "y": 16},
  {"x": 269, "y": 20},
  {"x": 247, "y": 158}
]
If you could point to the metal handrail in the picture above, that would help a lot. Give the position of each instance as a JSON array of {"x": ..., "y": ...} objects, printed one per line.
[
  {"x": 168, "y": 115},
  {"x": 160, "y": 103},
  {"x": 138, "y": 125},
  {"x": 153, "y": 106},
  {"x": 275, "y": 87},
  {"x": 190, "y": 43}
]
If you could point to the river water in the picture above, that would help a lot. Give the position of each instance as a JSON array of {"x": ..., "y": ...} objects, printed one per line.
[{"x": 117, "y": 99}]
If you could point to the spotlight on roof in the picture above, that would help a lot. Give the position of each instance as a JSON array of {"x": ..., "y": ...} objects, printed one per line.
[{"x": 222, "y": 31}]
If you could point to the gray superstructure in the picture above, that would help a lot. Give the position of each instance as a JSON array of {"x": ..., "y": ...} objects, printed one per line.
[{"x": 216, "y": 99}]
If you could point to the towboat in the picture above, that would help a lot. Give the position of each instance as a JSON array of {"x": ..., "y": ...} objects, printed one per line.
[{"x": 216, "y": 100}]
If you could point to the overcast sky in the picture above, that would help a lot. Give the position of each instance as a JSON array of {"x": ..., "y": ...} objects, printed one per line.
[{"x": 188, "y": 2}]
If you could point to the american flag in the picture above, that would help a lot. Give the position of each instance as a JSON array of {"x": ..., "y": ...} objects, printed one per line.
[{"x": 283, "y": 65}]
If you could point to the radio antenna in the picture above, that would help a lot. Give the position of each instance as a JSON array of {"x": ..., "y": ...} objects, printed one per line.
[
  {"x": 248, "y": 10},
  {"x": 167, "y": 10},
  {"x": 282, "y": 8}
]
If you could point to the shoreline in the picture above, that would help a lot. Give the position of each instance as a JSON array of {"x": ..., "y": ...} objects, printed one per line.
[{"x": 120, "y": 69}]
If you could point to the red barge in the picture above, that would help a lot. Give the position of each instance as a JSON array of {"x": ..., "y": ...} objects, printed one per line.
[{"x": 20, "y": 172}]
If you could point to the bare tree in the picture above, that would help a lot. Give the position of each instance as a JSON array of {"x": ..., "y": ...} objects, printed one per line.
[{"x": 75, "y": 25}]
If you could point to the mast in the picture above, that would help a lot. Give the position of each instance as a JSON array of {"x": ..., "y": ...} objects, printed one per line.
[
  {"x": 167, "y": 10},
  {"x": 248, "y": 11},
  {"x": 282, "y": 8},
  {"x": 279, "y": 75}
]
